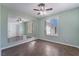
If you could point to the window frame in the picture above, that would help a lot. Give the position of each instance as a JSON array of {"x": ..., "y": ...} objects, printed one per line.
[{"x": 57, "y": 27}]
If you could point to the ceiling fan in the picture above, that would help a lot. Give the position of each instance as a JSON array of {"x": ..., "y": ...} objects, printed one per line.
[
  {"x": 20, "y": 20},
  {"x": 42, "y": 9}
]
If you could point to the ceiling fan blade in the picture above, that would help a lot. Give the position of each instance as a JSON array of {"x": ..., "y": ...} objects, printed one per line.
[
  {"x": 36, "y": 9},
  {"x": 38, "y": 13},
  {"x": 49, "y": 9}
]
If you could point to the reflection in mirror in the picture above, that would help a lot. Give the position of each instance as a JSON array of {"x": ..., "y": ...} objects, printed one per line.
[{"x": 15, "y": 29}]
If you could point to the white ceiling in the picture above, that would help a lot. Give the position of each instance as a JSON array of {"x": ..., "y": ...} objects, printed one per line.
[{"x": 28, "y": 7}]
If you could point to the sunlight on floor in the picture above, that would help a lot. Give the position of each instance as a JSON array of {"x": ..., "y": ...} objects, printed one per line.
[
  {"x": 49, "y": 49},
  {"x": 32, "y": 44}
]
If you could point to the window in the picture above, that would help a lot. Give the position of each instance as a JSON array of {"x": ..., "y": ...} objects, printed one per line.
[
  {"x": 51, "y": 27},
  {"x": 29, "y": 27}
]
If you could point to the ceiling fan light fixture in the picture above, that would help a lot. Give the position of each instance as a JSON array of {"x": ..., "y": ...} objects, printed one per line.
[
  {"x": 42, "y": 6},
  {"x": 43, "y": 13},
  {"x": 42, "y": 10}
]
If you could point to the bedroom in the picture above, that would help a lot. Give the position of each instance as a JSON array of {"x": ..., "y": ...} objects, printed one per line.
[{"x": 42, "y": 29}]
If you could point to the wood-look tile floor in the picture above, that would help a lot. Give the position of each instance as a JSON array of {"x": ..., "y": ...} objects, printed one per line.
[{"x": 41, "y": 48}]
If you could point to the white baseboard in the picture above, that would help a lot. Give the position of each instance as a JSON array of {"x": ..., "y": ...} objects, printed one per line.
[
  {"x": 18, "y": 43},
  {"x": 61, "y": 43},
  {"x": 28, "y": 40}
]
